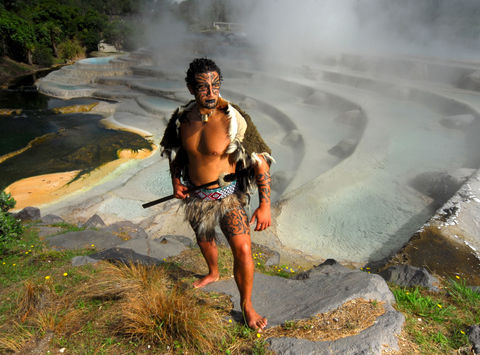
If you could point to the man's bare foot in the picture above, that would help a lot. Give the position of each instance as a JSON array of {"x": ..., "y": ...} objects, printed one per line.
[
  {"x": 253, "y": 319},
  {"x": 206, "y": 280}
]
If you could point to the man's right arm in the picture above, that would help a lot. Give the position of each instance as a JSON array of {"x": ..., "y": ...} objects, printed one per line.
[{"x": 179, "y": 189}]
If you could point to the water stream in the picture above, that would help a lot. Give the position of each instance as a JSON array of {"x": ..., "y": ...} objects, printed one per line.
[{"x": 56, "y": 142}]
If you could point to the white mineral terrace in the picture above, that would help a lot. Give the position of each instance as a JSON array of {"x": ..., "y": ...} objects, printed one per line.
[{"x": 350, "y": 134}]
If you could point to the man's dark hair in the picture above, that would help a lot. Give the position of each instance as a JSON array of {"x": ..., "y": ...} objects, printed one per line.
[{"x": 198, "y": 66}]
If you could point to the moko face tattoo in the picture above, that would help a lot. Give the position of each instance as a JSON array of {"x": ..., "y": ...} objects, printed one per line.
[{"x": 207, "y": 89}]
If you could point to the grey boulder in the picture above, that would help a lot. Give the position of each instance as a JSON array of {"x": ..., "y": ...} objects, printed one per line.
[
  {"x": 51, "y": 219},
  {"x": 474, "y": 337},
  {"x": 409, "y": 276},
  {"x": 323, "y": 289},
  {"x": 94, "y": 222},
  {"x": 29, "y": 214}
]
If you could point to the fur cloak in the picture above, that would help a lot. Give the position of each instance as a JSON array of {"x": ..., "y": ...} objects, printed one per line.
[{"x": 246, "y": 144}]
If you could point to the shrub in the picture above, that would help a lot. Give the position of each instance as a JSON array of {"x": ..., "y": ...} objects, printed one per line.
[
  {"x": 6, "y": 202},
  {"x": 42, "y": 55},
  {"x": 70, "y": 49},
  {"x": 11, "y": 229}
]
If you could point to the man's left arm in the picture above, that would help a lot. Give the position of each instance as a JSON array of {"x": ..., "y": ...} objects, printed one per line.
[{"x": 262, "y": 214}]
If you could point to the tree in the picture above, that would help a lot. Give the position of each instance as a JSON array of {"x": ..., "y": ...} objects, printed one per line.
[
  {"x": 17, "y": 35},
  {"x": 49, "y": 33}
]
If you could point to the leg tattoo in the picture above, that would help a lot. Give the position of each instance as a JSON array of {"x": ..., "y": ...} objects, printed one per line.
[{"x": 234, "y": 222}]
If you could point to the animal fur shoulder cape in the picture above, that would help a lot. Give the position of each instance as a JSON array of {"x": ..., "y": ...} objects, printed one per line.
[{"x": 246, "y": 144}]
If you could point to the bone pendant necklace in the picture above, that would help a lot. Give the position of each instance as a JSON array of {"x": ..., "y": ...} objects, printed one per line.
[{"x": 206, "y": 116}]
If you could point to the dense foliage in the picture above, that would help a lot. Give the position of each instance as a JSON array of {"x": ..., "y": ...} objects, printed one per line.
[
  {"x": 10, "y": 228},
  {"x": 34, "y": 31}
]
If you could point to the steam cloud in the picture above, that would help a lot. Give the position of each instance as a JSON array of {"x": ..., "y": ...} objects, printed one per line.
[{"x": 289, "y": 30}]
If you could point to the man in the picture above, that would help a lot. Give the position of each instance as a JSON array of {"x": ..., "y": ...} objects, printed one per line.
[{"x": 205, "y": 139}]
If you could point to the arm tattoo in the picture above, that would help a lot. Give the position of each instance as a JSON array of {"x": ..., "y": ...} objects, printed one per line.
[
  {"x": 263, "y": 183},
  {"x": 175, "y": 170}
]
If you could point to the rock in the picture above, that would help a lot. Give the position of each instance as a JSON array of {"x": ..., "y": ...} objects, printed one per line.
[
  {"x": 327, "y": 267},
  {"x": 94, "y": 222},
  {"x": 179, "y": 238},
  {"x": 300, "y": 299},
  {"x": 373, "y": 340},
  {"x": 83, "y": 239},
  {"x": 274, "y": 259},
  {"x": 436, "y": 249},
  {"x": 83, "y": 260},
  {"x": 325, "y": 288},
  {"x": 45, "y": 231},
  {"x": 458, "y": 121},
  {"x": 125, "y": 256},
  {"x": 475, "y": 288},
  {"x": 104, "y": 47},
  {"x": 52, "y": 219},
  {"x": 158, "y": 249},
  {"x": 28, "y": 214},
  {"x": 343, "y": 148},
  {"x": 474, "y": 337},
  {"x": 409, "y": 276},
  {"x": 126, "y": 230}
]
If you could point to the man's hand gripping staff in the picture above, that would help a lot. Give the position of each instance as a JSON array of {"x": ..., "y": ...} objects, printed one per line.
[{"x": 181, "y": 191}]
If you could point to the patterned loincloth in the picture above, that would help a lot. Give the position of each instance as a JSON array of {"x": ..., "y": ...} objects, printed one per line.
[{"x": 205, "y": 208}]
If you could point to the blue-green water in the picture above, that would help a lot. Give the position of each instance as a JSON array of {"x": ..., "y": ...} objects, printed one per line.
[{"x": 60, "y": 142}]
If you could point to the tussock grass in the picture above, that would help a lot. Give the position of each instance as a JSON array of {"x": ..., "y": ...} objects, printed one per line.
[
  {"x": 144, "y": 307},
  {"x": 152, "y": 309},
  {"x": 33, "y": 297},
  {"x": 13, "y": 337}
]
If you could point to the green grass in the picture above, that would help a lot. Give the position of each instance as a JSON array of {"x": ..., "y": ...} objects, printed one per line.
[
  {"x": 83, "y": 323},
  {"x": 437, "y": 322},
  {"x": 67, "y": 227},
  {"x": 44, "y": 294}
]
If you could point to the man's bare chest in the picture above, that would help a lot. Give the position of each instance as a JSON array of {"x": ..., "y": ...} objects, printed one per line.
[{"x": 210, "y": 138}]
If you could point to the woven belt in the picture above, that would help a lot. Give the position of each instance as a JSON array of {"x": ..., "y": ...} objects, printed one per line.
[{"x": 217, "y": 193}]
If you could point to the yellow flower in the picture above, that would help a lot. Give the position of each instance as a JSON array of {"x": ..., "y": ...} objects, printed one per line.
[
  {"x": 32, "y": 246},
  {"x": 65, "y": 274},
  {"x": 92, "y": 245},
  {"x": 14, "y": 264},
  {"x": 258, "y": 264},
  {"x": 3, "y": 263},
  {"x": 368, "y": 268},
  {"x": 47, "y": 277},
  {"x": 259, "y": 335},
  {"x": 439, "y": 305},
  {"x": 229, "y": 321},
  {"x": 291, "y": 270},
  {"x": 462, "y": 332},
  {"x": 458, "y": 277},
  {"x": 26, "y": 253}
]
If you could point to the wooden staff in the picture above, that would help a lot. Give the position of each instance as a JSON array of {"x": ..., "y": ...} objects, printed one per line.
[{"x": 222, "y": 180}]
